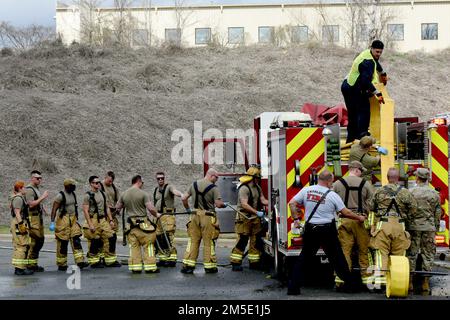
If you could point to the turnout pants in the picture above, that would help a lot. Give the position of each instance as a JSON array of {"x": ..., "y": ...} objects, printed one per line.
[
  {"x": 247, "y": 230},
  {"x": 388, "y": 238},
  {"x": 142, "y": 250},
  {"x": 103, "y": 237},
  {"x": 68, "y": 230},
  {"x": 202, "y": 225},
  {"x": 167, "y": 224},
  {"x": 316, "y": 236},
  {"x": 21, "y": 244},
  {"x": 36, "y": 232},
  {"x": 351, "y": 233},
  {"x": 423, "y": 243},
  {"x": 358, "y": 109}
]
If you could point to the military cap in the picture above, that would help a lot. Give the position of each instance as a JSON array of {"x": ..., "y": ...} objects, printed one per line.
[
  {"x": 357, "y": 165},
  {"x": 422, "y": 173},
  {"x": 367, "y": 141}
]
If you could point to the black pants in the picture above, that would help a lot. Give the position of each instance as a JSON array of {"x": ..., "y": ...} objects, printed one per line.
[
  {"x": 317, "y": 236},
  {"x": 358, "y": 109}
]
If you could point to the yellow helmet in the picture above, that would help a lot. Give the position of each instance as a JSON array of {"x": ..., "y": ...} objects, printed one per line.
[
  {"x": 69, "y": 181},
  {"x": 252, "y": 172}
]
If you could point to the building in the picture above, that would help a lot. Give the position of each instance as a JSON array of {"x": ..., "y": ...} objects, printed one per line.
[{"x": 403, "y": 25}]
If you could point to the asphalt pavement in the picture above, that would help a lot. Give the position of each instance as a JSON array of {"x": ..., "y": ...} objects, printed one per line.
[{"x": 120, "y": 283}]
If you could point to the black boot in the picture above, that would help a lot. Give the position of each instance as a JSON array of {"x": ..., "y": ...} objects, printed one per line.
[
  {"x": 237, "y": 267},
  {"x": 62, "y": 268},
  {"x": 82, "y": 265},
  {"x": 23, "y": 272}
]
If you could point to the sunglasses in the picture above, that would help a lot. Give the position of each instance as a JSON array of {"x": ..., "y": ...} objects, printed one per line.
[
  {"x": 95, "y": 182},
  {"x": 160, "y": 178},
  {"x": 39, "y": 178}
]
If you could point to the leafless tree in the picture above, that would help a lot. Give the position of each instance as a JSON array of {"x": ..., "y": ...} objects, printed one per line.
[
  {"x": 22, "y": 38},
  {"x": 91, "y": 21},
  {"x": 123, "y": 22},
  {"x": 182, "y": 16}
]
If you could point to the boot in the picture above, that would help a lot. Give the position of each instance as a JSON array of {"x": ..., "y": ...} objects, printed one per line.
[
  {"x": 426, "y": 286},
  {"x": 411, "y": 285},
  {"x": 62, "y": 268},
  {"x": 23, "y": 272},
  {"x": 237, "y": 267},
  {"x": 82, "y": 265}
]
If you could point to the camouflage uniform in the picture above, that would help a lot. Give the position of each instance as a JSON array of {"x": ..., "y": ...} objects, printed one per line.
[
  {"x": 357, "y": 153},
  {"x": 423, "y": 226},
  {"x": 392, "y": 205}
]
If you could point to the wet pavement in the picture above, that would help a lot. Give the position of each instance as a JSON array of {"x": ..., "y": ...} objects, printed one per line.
[{"x": 119, "y": 283}]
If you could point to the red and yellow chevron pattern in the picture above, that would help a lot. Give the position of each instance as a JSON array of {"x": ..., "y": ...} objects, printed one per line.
[
  {"x": 438, "y": 160},
  {"x": 308, "y": 146}
]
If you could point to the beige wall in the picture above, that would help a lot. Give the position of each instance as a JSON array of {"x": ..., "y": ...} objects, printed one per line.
[{"x": 412, "y": 14}]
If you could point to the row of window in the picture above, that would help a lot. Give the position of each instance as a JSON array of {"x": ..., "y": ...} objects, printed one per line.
[{"x": 298, "y": 34}]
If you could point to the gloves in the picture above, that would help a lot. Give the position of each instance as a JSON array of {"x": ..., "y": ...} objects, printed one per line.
[
  {"x": 379, "y": 97},
  {"x": 383, "y": 78},
  {"x": 22, "y": 227},
  {"x": 226, "y": 204},
  {"x": 260, "y": 214},
  {"x": 52, "y": 226},
  {"x": 382, "y": 150}
]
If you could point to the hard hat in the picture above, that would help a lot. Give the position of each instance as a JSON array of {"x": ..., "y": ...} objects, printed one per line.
[
  {"x": 357, "y": 165},
  {"x": 422, "y": 173},
  {"x": 69, "y": 181},
  {"x": 251, "y": 173},
  {"x": 367, "y": 141}
]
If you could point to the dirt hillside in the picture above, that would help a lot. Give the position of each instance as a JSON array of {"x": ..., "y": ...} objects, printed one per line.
[{"x": 79, "y": 111}]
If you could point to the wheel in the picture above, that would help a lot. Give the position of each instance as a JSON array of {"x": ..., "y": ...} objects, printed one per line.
[{"x": 442, "y": 256}]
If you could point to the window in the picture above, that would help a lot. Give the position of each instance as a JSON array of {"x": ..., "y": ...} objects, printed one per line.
[
  {"x": 265, "y": 34},
  {"x": 299, "y": 34},
  {"x": 362, "y": 32},
  {"x": 173, "y": 35},
  {"x": 429, "y": 31},
  {"x": 396, "y": 32},
  {"x": 330, "y": 33},
  {"x": 202, "y": 35},
  {"x": 235, "y": 35},
  {"x": 140, "y": 37}
]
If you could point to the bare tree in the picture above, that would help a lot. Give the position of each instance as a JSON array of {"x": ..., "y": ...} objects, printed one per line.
[
  {"x": 123, "y": 22},
  {"x": 182, "y": 16},
  {"x": 22, "y": 38},
  {"x": 91, "y": 21}
]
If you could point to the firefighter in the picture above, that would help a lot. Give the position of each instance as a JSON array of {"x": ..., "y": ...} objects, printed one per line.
[
  {"x": 356, "y": 193},
  {"x": 98, "y": 226},
  {"x": 423, "y": 226},
  {"x": 67, "y": 227},
  {"x": 358, "y": 87},
  {"x": 36, "y": 211},
  {"x": 112, "y": 196},
  {"x": 164, "y": 199},
  {"x": 140, "y": 230},
  {"x": 360, "y": 152},
  {"x": 392, "y": 206},
  {"x": 321, "y": 204},
  {"x": 20, "y": 229},
  {"x": 203, "y": 222},
  {"x": 248, "y": 224}
]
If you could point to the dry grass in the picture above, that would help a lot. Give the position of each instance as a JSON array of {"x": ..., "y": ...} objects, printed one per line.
[{"x": 79, "y": 111}]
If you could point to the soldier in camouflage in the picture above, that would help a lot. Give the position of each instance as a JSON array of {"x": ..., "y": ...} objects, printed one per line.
[
  {"x": 423, "y": 226},
  {"x": 392, "y": 206}
]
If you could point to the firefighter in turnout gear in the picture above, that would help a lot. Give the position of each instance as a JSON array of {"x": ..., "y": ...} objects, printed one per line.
[
  {"x": 20, "y": 229},
  {"x": 36, "y": 227},
  {"x": 356, "y": 193},
  {"x": 164, "y": 200},
  {"x": 67, "y": 227},
  {"x": 98, "y": 226},
  {"x": 248, "y": 224},
  {"x": 423, "y": 226},
  {"x": 392, "y": 206},
  {"x": 112, "y": 196},
  {"x": 203, "y": 222},
  {"x": 140, "y": 230}
]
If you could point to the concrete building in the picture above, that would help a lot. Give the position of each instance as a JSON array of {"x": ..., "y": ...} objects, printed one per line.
[{"x": 403, "y": 25}]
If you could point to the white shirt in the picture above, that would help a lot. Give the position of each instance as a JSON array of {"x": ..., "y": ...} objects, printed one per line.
[{"x": 325, "y": 213}]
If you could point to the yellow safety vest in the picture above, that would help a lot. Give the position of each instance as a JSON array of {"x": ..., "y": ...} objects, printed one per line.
[{"x": 354, "y": 71}]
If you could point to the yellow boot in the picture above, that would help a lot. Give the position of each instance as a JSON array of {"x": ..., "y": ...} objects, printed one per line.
[{"x": 426, "y": 286}]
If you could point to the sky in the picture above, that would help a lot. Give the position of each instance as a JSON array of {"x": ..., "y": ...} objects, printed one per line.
[{"x": 42, "y": 12}]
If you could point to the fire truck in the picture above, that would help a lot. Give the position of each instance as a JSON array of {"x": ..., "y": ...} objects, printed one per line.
[{"x": 292, "y": 151}]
